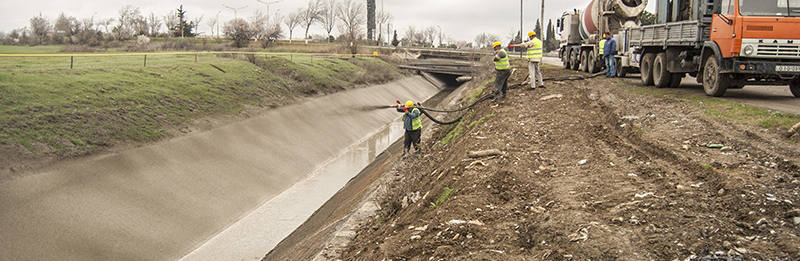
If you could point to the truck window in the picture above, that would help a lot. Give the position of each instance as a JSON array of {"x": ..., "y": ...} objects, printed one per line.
[
  {"x": 766, "y": 8},
  {"x": 727, "y": 7}
]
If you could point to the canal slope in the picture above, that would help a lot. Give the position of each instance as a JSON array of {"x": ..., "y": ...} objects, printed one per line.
[{"x": 162, "y": 201}]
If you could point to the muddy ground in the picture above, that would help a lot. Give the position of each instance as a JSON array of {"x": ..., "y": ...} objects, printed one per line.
[{"x": 589, "y": 171}]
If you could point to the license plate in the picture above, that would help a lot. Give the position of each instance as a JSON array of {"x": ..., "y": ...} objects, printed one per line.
[{"x": 787, "y": 68}]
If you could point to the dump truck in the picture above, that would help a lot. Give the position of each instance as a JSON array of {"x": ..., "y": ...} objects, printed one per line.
[
  {"x": 725, "y": 44},
  {"x": 581, "y": 31}
]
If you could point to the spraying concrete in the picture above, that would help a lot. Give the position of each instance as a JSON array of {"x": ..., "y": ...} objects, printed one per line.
[{"x": 163, "y": 201}]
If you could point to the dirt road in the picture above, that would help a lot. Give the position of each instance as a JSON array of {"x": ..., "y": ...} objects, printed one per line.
[
  {"x": 589, "y": 170},
  {"x": 777, "y": 98}
]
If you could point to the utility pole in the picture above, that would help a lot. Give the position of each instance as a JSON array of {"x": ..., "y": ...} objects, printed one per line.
[
  {"x": 520, "y": 26},
  {"x": 234, "y": 9},
  {"x": 440, "y": 36},
  {"x": 218, "y": 23},
  {"x": 543, "y": 30},
  {"x": 273, "y": 2}
]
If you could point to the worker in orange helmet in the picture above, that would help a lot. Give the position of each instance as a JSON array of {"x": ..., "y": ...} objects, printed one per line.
[{"x": 412, "y": 123}]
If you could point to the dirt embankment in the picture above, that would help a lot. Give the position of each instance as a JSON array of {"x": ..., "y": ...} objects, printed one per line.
[{"x": 589, "y": 171}]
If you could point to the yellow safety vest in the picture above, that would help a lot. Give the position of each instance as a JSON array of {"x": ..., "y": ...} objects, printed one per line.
[
  {"x": 503, "y": 63},
  {"x": 536, "y": 50},
  {"x": 416, "y": 123},
  {"x": 602, "y": 46}
]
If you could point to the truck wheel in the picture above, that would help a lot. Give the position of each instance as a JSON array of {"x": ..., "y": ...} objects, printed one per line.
[
  {"x": 714, "y": 83},
  {"x": 592, "y": 62},
  {"x": 584, "y": 61},
  {"x": 795, "y": 88},
  {"x": 565, "y": 58},
  {"x": 646, "y": 66},
  {"x": 574, "y": 59},
  {"x": 675, "y": 79},
  {"x": 661, "y": 76},
  {"x": 621, "y": 71}
]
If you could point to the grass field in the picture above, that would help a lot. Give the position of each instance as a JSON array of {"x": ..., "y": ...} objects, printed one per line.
[{"x": 104, "y": 100}]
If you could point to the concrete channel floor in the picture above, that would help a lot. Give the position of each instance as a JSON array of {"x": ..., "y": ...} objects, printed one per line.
[{"x": 161, "y": 202}]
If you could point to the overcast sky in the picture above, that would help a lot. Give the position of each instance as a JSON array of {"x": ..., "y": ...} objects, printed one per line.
[{"x": 458, "y": 19}]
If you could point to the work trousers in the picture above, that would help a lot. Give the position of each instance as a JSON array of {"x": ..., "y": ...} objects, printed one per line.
[
  {"x": 411, "y": 137},
  {"x": 501, "y": 83},
  {"x": 611, "y": 66},
  {"x": 536, "y": 73}
]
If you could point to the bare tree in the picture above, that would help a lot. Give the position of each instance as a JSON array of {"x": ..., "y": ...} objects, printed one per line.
[
  {"x": 171, "y": 21},
  {"x": 130, "y": 21},
  {"x": 239, "y": 31},
  {"x": 414, "y": 37},
  {"x": 40, "y": 27},
  {"x": 196, "y": 24},
  {"x": 480, "y": 39},
  {"x": 430, "y": 34},
  {"x": 291, "y": 21},
  {"x": 154, "y": 23},
  {"x": 258, "y": 22},
  {"x": 310, "y": 14},
  {"x": 353, "y": 18},
  {"x": 211, "y": 23},
  {"x": 106, "y": 22},
  {"x": 328, "y": 16},
  {"x": 383, "y": 18}
]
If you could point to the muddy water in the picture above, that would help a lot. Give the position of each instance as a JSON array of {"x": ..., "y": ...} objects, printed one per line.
[{"x": 163, "y": 201}]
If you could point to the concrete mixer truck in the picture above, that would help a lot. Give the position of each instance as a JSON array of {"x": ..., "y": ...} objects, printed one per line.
[
  {"x": 581, "y": 32},
  {"x": 723, "y": 43}
]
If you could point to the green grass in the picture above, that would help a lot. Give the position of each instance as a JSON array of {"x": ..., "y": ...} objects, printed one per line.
[
  {"x": 105, "y": 100},
  {"x": 20, "y": 49},
  {"x": 727, "y": 110},
  {"x": 442, "y": 198}
]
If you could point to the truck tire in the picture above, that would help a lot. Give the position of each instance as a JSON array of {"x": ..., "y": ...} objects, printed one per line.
[
  {"x": 661, "y": 76},
  {"x": 794, "y": 87},
  {"x": 592, "y": 62},
  {"x": 646, "y": 66},
  {"x": 675, "y": 79},
  {"x": 584, "y": 61},
  {"x": 574, "y": 59},
  {"x": 621, "y": 71},
  {"x": 565, "y": 58},
  {"x": 714, "y": 83}
]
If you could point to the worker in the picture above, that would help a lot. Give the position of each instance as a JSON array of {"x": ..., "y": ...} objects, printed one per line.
[
  {"x": 412, "y": 123},
  {"x": 600, "y": 50},
  {"x": 502, "y": 66},
  {"x": 610, "y": 49},
  {"x": 534, "y": 56}
]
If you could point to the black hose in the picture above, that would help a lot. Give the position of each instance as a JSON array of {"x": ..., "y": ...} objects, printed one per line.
[{"x": 485, "y": 97}]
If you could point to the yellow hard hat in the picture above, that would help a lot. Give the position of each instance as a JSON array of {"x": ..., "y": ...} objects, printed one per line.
[
  {"x": 531, "y": 33},
  {"x": 409, "y": 103},
  {"x": 496, "y": 44}
]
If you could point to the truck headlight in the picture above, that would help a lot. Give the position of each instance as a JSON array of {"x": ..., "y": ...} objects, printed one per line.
[{"x": 748, "y": 50}]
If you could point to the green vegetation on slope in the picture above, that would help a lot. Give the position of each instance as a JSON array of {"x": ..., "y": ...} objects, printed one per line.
[{"x": 107, "y": 100}]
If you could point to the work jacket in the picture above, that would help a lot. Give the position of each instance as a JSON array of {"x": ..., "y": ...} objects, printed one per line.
[
  {"x": 602, "y": 46},
  {"x": 610, "y": 47},
  {"x": 411, "y": 119},
  {"x": 501, "y": 62},
  {"x": 534, "y": 46}
]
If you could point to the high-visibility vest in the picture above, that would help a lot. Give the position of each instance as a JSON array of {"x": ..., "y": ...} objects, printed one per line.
[
  {"x": 535, "y": 51},
  {"x": 602, "y": 46},
  {"x": 416, "y": 123},
  {"x": 503, "y": 63}
]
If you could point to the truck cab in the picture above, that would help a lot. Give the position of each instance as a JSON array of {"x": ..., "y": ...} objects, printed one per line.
[{"x": 758, "y": 44}]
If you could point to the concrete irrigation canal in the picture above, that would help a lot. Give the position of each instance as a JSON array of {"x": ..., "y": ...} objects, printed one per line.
[{"x": 231, "y": 193}]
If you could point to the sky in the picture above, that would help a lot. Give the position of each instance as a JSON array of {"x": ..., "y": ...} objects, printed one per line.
[{"x": 458, "y": 19}]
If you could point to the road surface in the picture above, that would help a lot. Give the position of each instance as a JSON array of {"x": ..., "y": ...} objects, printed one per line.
[{"x": 776, "y": 98}]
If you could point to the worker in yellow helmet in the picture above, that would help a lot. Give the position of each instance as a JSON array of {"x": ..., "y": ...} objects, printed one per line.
[
  {"x": 502, "y": 66},
  {"x": 534, "y": 56},
  {"x": 412, "y": 123}
]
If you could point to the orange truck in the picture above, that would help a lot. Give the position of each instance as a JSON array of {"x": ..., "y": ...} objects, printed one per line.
[{"x": 725, "y": 44}]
